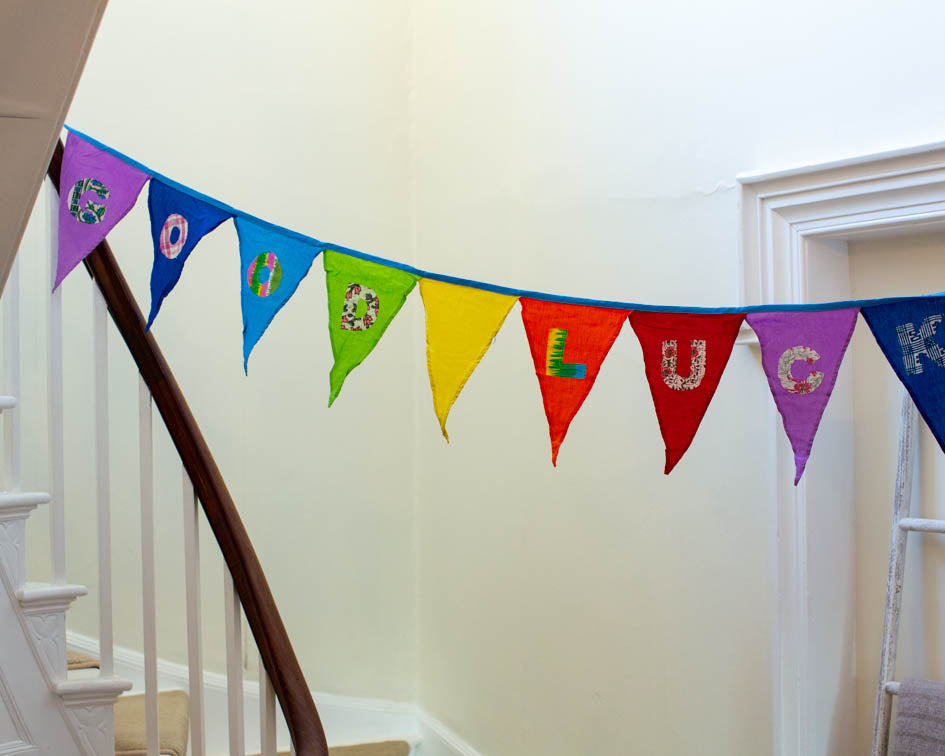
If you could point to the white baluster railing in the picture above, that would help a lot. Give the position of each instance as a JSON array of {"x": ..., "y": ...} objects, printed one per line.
[
  {"x": 146, "y": 472},
  {"x": 11, "y": 379},
  {"x": 234, "y": 665},
  {"x": 267, "y": 714},
  {"x": 103, "y": 485},
  {"x": 198, "y": 736},
  {"x": 57, "y": 506}
]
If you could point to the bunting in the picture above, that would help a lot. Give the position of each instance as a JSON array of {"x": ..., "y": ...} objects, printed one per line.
[
  {"x": 96, "y": 190},
  {"x": 568, "y": 344},
  {"x": 461, "y": 325},
  {"x": 684, "y": 352},
  {"x": 363, "y": 299},
  {"x": 684, "y": 356},
  {"x": 272, "y": 264},
  {"x": 178, "y": 222},
  {"x": 911, "y": 335},
  {"x": 801, "y": 354}
]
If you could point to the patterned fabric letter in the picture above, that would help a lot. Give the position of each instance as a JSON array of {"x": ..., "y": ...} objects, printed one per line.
[
  {"x": 924, "y": 343},
  {"x": 354, "y": 295},
  {"x": 786, "y": 362},
  {"x": 93, "y": 212},
  {"x": 555, "y": 365},
  {"x": 696, "y": 365}
]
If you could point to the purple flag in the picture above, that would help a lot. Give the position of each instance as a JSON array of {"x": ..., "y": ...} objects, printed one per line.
[
  {"x": 801, "y": 354},
  {"x": 96, "y": 190}
]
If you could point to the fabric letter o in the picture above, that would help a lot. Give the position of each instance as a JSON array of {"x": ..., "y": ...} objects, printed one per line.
[
  {"x": 786, "y": 362},
  {"x": 696, "y": 365},
  {"x": 93, "y": 212},
  {"x": 171, "y": 245},
  {"x": 354, "y": 294},
  {"x": 264, "y": 274}
]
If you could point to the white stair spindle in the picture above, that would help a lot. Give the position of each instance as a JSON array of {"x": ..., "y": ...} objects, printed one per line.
[
  {"x": 267, "y": 714},
  {"x": 146, "y": 471},
  {"x": 103, "y": 486},
  {"x": 57, "y": 507},
  {"x": 11, "y": 378},
  {"x": 198, "y": 738},
  {"x": 234, "y": 665}
]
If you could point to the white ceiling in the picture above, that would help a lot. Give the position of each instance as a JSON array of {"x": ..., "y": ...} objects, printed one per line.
[{"x": 43, "y": 48}]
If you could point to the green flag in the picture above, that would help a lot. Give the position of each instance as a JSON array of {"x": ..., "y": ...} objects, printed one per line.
[{"x": 363, "y": 298}]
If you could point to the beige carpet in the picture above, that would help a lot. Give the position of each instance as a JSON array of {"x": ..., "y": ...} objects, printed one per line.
[
  {"x": 130, "y": 737},
  {"x": 75, "y": 660},
  {"x": 389, "y": 748}
]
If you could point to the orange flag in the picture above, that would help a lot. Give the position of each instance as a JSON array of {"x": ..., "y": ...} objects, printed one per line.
[{"x": 568, "y": 344}]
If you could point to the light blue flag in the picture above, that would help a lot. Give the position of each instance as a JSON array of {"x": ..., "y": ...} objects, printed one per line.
[{"x": 272, "y": 264}]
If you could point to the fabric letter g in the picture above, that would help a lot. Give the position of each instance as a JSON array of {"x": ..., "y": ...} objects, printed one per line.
[
  {"x": 93, "y": 212},
  {"x": 696, "y": 365},
  {"x": 913, "y": 345}
]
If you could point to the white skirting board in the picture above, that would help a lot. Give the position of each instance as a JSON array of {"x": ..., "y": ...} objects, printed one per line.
[{"x": 347, "y": 720}]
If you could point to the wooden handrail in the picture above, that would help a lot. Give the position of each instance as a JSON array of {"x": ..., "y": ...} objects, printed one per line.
[{"x": 277, "y": 653}]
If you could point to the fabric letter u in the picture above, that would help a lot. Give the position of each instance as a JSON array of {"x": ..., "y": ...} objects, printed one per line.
[{"x": 670, "y": 367}]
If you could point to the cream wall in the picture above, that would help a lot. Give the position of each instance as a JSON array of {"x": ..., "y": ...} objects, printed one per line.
[
  {"x": 893, "y": 266},
  {"x": 591, "y": 148},
  {"x": 297, "y": 113},
  {"x": 583, "y": 148}
]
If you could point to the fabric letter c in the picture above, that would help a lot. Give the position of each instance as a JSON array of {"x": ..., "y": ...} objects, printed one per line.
[
  {"x": 354, "y": 295},
  {"x": 93, "y": 212},
  {"x": 786, "y": 362},
  {"x": 696, "y": 365}
]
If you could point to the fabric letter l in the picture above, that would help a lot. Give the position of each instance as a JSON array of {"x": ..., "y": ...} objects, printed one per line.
[{"x": 555, "y": 365}]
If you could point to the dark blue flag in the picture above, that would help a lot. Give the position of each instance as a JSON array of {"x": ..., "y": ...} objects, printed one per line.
[
  {"x": 912, "y": 337},
  {"x": 178, "y": 222}
]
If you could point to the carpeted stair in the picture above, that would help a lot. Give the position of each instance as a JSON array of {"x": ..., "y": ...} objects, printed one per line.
[{"x": 130, "y": 738}]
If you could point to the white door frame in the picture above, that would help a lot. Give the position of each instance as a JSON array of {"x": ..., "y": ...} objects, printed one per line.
[{"x": 786, "y": 219}]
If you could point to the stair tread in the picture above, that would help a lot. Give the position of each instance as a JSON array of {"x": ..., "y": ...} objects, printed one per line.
[
  {"x": 131, "y": 731},
  {"x": 387, "y": 748},
  {"x": 77, "y": 660}
]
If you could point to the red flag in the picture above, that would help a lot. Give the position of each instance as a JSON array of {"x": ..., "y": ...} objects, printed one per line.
[
  {"x": 684, "y": 356},
  {"x": 568, "y": 344}
]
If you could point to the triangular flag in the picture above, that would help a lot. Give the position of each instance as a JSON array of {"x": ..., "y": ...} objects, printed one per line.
[
  {"x": 96, "y": 190},
  {"x": 912, "y": 337},
  {"x": 684, "y": 355},
  {"x": 272, "y": 264},
  {"x": 568, "y": 343},
  {"x": 178, "y": 222},
  {"x": 801, "y": 354},
  {"x": 461, "y": 324},
  {"x": 363, "y": 298}
]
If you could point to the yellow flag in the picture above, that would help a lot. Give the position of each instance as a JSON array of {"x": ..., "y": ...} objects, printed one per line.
[{"x": 461, "y": 324}]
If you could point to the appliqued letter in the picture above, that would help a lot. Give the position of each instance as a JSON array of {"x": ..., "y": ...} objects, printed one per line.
[
  {"x": 355, "y": 294},
  {"x": 173, "y": 236},
  {"x": 264, "y": 274},
  {"x": 555, "y": 365},
  {"x": 696, "y": 365},
  {"x": 93, "y": 212},
  {"x": 913, "y": 345},
  {"x": 786, "y": 362}
]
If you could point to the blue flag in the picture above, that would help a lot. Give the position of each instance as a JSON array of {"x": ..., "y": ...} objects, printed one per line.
[
  {"x": 912, "y": 337},
  {"x": 272, "y": 264},
  {"x": 178, "y": 222}
]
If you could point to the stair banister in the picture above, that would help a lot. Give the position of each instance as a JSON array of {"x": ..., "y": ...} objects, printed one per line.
[{"x": 278, "y": 656}]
